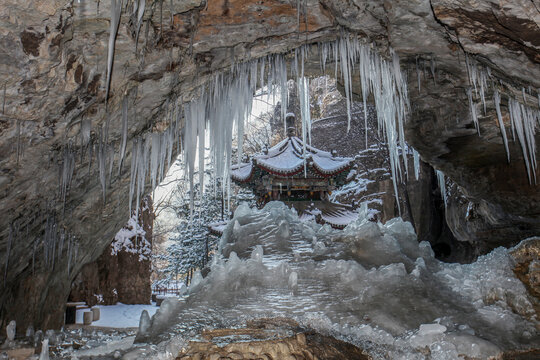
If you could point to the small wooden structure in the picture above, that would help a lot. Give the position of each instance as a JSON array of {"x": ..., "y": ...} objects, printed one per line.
[{"x": 299, "y": 175}]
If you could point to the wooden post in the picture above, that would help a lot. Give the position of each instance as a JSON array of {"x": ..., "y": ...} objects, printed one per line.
[
  {"x": 87, "y": 317},
  {"x": 95, "y": 314}
]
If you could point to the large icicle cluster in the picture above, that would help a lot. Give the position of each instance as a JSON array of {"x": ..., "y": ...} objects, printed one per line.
[
  {"x": 383, "y": 79},
  {"x": 152, "y": 155},
  {"x": 227, "y": 102},
  {"x": 58, "y": 247},
  {"x": 524, "y": 119}
]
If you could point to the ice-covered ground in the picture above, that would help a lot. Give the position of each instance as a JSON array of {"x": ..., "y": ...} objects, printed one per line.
[
  {"x": 371, "y": 284},
  {"x": 119, "y": 315}
]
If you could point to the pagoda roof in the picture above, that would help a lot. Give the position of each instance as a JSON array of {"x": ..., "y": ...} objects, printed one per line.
[{"x": 287, "y": 158}]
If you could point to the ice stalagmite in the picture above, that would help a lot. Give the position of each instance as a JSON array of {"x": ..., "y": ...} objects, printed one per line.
[
  {"x": 144, "y": 323},
  {"x": 116, "y": 11},
  {"x": 44, "y": 350},
  {"x": 10, "y": 330}
]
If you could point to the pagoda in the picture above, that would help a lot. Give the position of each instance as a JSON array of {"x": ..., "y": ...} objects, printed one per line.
[{"x": 299, "y": 175}]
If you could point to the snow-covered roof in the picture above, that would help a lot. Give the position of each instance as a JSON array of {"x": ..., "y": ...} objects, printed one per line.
[
  {"x": 287, "y": 158},
  {"x": 241, "y": 172}
]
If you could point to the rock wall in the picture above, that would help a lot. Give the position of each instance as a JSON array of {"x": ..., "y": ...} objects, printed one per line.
[{"x": 53, "y": 66}]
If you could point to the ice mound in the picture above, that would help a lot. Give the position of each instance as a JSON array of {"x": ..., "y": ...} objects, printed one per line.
[{"x": 371, "y": 284}]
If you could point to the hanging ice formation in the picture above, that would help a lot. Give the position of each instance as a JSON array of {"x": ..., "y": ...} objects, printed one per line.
[
  {"x": 472, "y": 107},
  {"x": 12, "y": 234},
  {"x": 116, "y": 11},
  {"x": 442, "y": 186},
  {"x": 416, "y": 158},
  {"x": 226, "y": 103},
  {"x": 523, "y": 118},
  {"x": 152, "y": 155},
  {"x": 138, "y": 9},
  {"x": 101, "y": 153},
  {"x": 497, "y": 100},
  {"x": 66, "y": 171},
  {"x": 524, "y": 121},
  {"x": 124, "y": 133}
]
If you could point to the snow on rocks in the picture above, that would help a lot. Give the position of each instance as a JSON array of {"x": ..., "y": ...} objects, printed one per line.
[{"x": 131, "y": 238}]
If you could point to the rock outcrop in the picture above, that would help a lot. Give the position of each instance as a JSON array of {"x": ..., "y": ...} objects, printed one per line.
[
  {"x": 271, "y": 339},
  {"x": 53, "y": 66},
  {"x": 122, "y": 273}
]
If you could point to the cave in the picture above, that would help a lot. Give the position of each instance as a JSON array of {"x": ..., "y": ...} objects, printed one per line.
[{"x": 99, "y": 97}]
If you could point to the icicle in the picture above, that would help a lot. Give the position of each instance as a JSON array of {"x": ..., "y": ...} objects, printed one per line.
[
  {"x": 523, "y": 120},
  {"x": 86, "y": 128},
  {"x": 483, "y": 87},
  {"x": 70, "y": 247},
  {"x": 61, "y": 243},
  {"x": 34, "y": 254},
  {"x": 418, "y": 75},
  {"x": 133, "y": 172},
  {"x": 303, "y": 94},
  {"x": 124, "y": 133},
  {"x": 364, "y": 81},
  {"x": 284, "y": 91},
  {"x": 497, "y": 100},
  {"x": 201, "y": 124},
  {"x": 102, "y": 160},
  {"x": 68, "y": 166},
  {"x": 345, "y": 61},
  {"x": 154, "y": 159},
  {"x": 141, "y": 4},
  {"x": 190, "y": 141},
  {"x": 416, "y": 157},
  {"x": 116, "y": 11},
  {"x": 442, "y": 186},
  {"x": 11, "y": 235},
  {"x": 19, "y": 148},
  {"x": 164, "y": 141},
  {"x": 432, "y": 67},
  {"x": 110, "y": 158},
  {"x": 472, "y": 108}
]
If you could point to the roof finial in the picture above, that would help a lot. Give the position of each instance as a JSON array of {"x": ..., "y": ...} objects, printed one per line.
[{"x": 290, "y": 120}]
